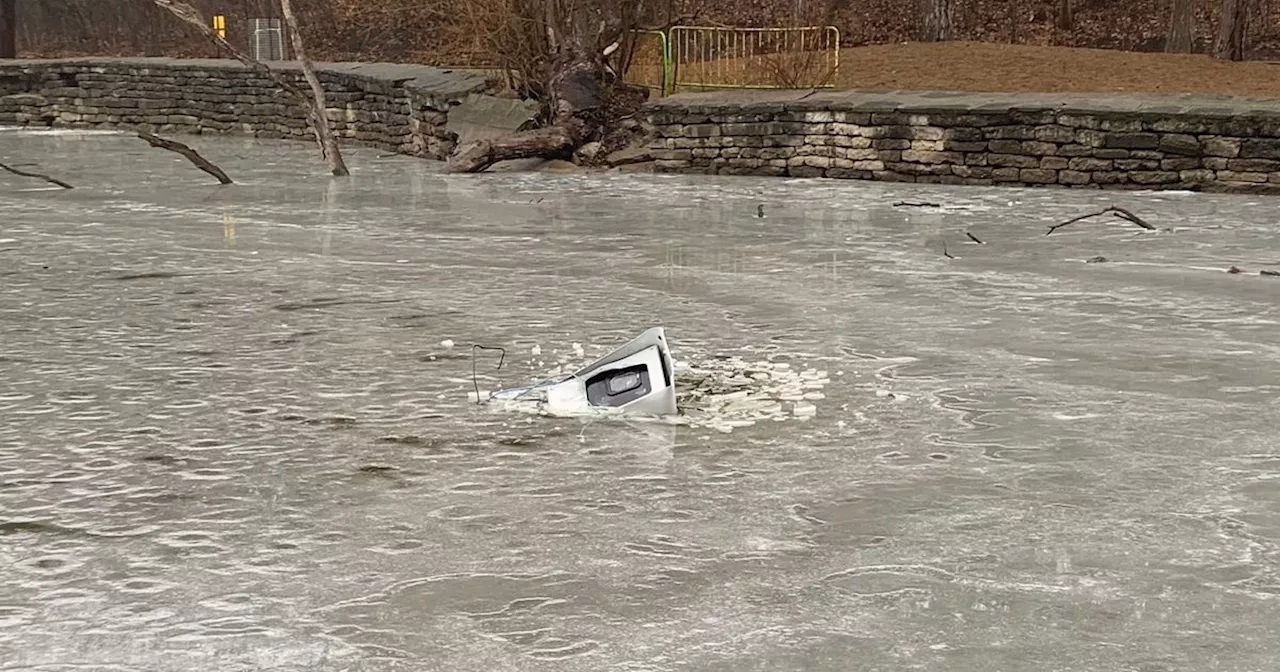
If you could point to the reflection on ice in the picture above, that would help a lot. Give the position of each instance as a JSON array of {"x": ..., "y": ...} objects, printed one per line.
[{"x": 232, "y": 419}]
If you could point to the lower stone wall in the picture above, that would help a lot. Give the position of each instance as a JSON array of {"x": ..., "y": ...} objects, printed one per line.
[
  {"x": 396, "y": 108},
  {"x": 971, "y": 139}
]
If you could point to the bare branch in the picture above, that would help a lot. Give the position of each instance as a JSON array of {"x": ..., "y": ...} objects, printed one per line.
[
  {"x": 1114, "y": 210},
  {"x": 1125, "y": 214},
  {"x": 192, "y": 155},
  {"x": 315, "y": 114},
  {"x": 192, "y": 16},
  {"x": 46, "y": 178}
]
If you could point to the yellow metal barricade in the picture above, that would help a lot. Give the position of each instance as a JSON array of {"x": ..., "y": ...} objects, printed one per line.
[
  {"x": 650, "y": 64},
  {"x": 705, "y": 57}
]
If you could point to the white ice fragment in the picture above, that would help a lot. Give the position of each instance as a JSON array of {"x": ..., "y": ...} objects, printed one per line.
[
  {"x": 814, "y": 396},
  {"x": 537, "y": 350},
  {"x": 804, "y": 409},
  {"x": 578, "y": 351},
  {"x": 883, "y": 393},
  {"x": 448, "y": 343}
]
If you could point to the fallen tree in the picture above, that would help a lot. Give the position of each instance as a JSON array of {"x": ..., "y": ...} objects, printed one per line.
[
  {"x": 315, "y": 104},
  {"x": 558, "y": 52}
]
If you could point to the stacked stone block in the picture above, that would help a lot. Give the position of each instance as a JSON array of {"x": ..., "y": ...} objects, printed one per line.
[
  {"x": 180, "y": 98},
  {"x": 1075, "y": 148}
]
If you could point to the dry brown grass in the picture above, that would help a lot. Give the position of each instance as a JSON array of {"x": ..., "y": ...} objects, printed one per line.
[
  {"x": 797, "y": 70},
  {"x": 976, "y": 66},
  {"x": 973, "y": 66}
]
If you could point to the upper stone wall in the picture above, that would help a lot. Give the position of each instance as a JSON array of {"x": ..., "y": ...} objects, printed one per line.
[
  {"x": 399, "y": 108},
  {"x": 1186, "y": 142}
]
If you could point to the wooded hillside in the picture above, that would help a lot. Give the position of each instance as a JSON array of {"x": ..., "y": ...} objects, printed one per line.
[{"x": 441, "y": 31}]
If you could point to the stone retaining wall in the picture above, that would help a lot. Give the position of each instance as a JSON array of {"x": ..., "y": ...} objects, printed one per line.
[
  {"x": 397, "y": 108},
  {"x": 1109, "y": 142}
]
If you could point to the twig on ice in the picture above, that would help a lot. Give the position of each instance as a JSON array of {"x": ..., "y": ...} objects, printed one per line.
[
  {"x": 46, "y": 178},
  {"x": 191, "y": 154},
  {"x": 913, "y": 204},
  {"x": 974, "y": 238},
  {"x": 1114, "y": 210}
]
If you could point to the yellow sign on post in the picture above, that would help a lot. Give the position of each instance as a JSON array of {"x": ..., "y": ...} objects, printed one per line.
[{"x": 220, "y": 26}]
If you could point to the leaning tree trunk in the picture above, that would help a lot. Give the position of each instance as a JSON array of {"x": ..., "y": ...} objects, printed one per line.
[
  {"x": 8, "y": 29},
  {"x": 578, "y": 36},
  {"x": 324, "y": 134},
  {"x": 1230, "y": 43},
  {"x": 938, "y": 23},
  {"x": 320, "y": 123},
  {"x": 1182, "y": 27}
]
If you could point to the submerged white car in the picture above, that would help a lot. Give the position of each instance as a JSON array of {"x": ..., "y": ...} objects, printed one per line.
[{"x": 637, "y": 378}]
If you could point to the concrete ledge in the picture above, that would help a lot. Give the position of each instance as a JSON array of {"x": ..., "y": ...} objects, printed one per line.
[
  {"x": 397, "y": 108},
  {"x": 1212, "y": 143}
]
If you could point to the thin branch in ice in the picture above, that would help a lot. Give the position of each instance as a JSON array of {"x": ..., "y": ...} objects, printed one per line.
[
  {"x": 1114, "y": 210},
  {"x": 46, "y": 178}
]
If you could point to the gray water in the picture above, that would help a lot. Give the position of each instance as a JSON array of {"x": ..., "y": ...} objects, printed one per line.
[{"x": 234, "y": 436}]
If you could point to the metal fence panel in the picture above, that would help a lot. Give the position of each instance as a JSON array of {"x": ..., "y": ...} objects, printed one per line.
[
  {"x": 266, "y": 39},
  {"x": 650, "y": 65},
  {"x": 706, "y": 57}
]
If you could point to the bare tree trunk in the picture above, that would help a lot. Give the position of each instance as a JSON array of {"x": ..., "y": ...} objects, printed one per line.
[
  {"x": 1230, "y": 43},
  {"x": 8, "y": 28},
  {"x": 1066, "y": 17},
  {"x": 939, "y": 21},
  {"x": 1182, "y": 27},
  {"x": 324, "y": 134},
  {"x": 192, "y": 16},
  {"x": 1011, "y": 6}
]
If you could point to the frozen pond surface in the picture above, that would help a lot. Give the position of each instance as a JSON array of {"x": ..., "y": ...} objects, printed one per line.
[{"x": 232, "y": 439}]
